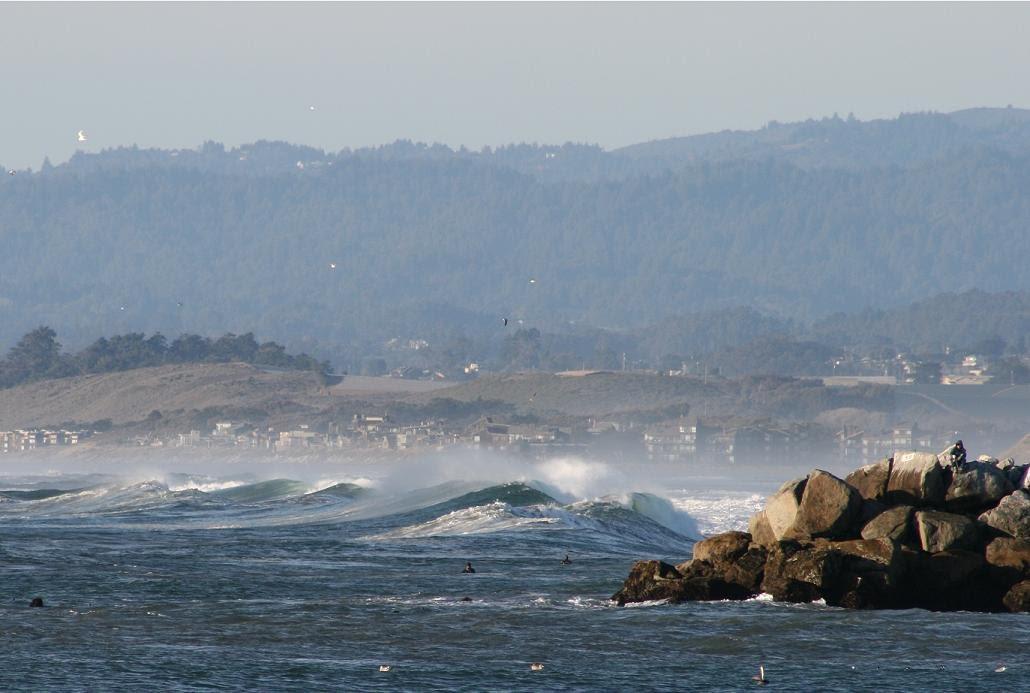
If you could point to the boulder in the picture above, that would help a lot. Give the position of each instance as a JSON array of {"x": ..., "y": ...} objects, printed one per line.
[
  {"x": 870, "y": 572},
  {"x": 782, "y": 508},
  {"x": 760, "y": 530},
  {"x": 829, "y": 507},
  {"x": 940, "y": 531},
  {"x": 653, "y": 580},
  {"x": 892, "y": 524},
  {"x": 747, "y": 571},
  {"x": 1005, "y": 464},
  {"x": 797, "y": 572},
  {"x": 916, "y": 478},
  {"x": 977, "y": 485},
  {"x": 871, "y": 480},
  {"x": 730, "y": 557},
  {"x": 1017, "y": 599},
  {"x": 1012, "y": 516},
  {"x": 1007, "y": 552},
  {"x": 1020, "y": 476},
  {"x": 649, "y": 580},
  {"x": 952, "y": 581},
  {"x": 721, "y": 548}
]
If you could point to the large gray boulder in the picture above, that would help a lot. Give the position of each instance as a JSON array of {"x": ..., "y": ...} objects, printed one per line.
[
  {"x": 797, "y": 572},
  {"x": 721, "y": 548},
  {"x": 828, "y": 509},
  {"x": 871, "y": 570},
  {"x": 940, "y": 531},
  {"x": 916, "y": 478},
  {"x": 871, "y": 480},
  {"x": 1012, "y": 516},
  {"x": 976, "y": 486},
  {"x": 781, "y": 509},
  {"x": 760, "y": 529},
  {"x": 732, "y": 558},
  {"x": 892, "y": 524}
]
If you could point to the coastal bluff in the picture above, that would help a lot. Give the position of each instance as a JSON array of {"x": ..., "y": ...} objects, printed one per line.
[{"x": 914, "y": 531}]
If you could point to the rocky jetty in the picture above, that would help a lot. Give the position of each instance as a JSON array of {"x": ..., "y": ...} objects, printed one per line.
[{"x": 914, "y": 531}]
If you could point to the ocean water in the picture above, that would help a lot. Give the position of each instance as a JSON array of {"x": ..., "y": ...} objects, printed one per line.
[{"x": 311, "y": 580}]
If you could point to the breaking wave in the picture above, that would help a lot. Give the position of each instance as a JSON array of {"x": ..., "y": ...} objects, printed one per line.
[{"x": 371, "y": 511}]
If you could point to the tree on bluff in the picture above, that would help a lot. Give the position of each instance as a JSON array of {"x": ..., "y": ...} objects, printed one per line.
[{"x": 36, "y": 355}]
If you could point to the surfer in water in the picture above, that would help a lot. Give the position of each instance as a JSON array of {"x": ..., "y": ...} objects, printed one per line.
[
  {"x": 566, "y": 560},
  {"x": 468, "y": 567}
]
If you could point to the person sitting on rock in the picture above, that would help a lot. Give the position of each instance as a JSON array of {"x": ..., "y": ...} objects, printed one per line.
[
  {"x": 958, "y": 455},
  {"x": 468, "y": 567}
]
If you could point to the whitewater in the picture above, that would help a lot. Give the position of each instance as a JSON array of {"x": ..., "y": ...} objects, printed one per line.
[{"x": 198, "y": 574}]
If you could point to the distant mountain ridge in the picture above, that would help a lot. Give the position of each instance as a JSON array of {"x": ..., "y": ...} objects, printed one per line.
[{"x": 423, "y": 242}]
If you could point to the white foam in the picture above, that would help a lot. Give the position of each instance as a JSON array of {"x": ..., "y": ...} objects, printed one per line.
[
  {"x": 192, "y": 484},
  {"x": 717, "y": 512}
]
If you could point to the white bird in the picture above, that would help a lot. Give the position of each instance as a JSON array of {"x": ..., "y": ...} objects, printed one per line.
[
  {"x": 300, "y": 164},
  {"x": 536, "y": 666},
  {"x": 760, "y": 677},
  {"x": 81, "y": 134},
  {"x": 384, "y": 667},
  {"x": 532, "y": 281},
  {"x": 1000, "y": 669},
  {"x": 311, "y": 108},
  {"x": 10, "y": 172},
  {"x": 332, "y": 265}
]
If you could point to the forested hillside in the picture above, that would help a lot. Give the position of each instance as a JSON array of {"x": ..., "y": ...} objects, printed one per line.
[{"x": 428, "y": 243}]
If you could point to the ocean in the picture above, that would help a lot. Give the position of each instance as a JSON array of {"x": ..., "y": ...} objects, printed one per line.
[{"x": 314, "y": 576}]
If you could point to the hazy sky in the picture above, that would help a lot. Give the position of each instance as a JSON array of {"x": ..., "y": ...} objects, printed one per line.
[{"x": 174, "y": 75}]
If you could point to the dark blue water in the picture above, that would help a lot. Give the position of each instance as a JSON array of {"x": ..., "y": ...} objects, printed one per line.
[{"x": 282, "y": 585}]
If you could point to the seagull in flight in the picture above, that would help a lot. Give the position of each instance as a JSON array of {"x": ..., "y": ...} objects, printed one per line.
[
  {"x": 311, "y": 108},
  {"x": 81, "y": 134},
  {"x": 332, "y": 265},
  {"x": 505, "y": 322}
]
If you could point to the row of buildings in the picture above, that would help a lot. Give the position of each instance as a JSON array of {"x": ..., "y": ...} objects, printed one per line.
[
  {"x": 690, "y": 442},
  {"x": 22, "y": 440},
  {"x": 768, "y": 442}
]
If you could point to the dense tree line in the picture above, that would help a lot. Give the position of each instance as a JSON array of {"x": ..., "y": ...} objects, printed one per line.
[
  {"x": 423, "y": 242},
  {"x": 38, "y": 355}
]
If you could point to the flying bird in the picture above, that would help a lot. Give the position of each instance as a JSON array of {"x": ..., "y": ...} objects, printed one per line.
[
  {"x": 81, "y": 134},
  {"x": 505, "y": 319},
  {"x": 532, "y": 281},
  {"x": 10, "y": 172},
  {"x": 332, "y": 265},
  {"x": 759, "y": 678},
  {"x": 311, "y": 108}
]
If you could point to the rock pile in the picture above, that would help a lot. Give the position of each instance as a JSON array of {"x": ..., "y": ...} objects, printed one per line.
[{"x": 916, "y": 530}]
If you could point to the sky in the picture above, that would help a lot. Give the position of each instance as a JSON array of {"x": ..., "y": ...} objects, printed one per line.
[{"x": 176, "y": 75}]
